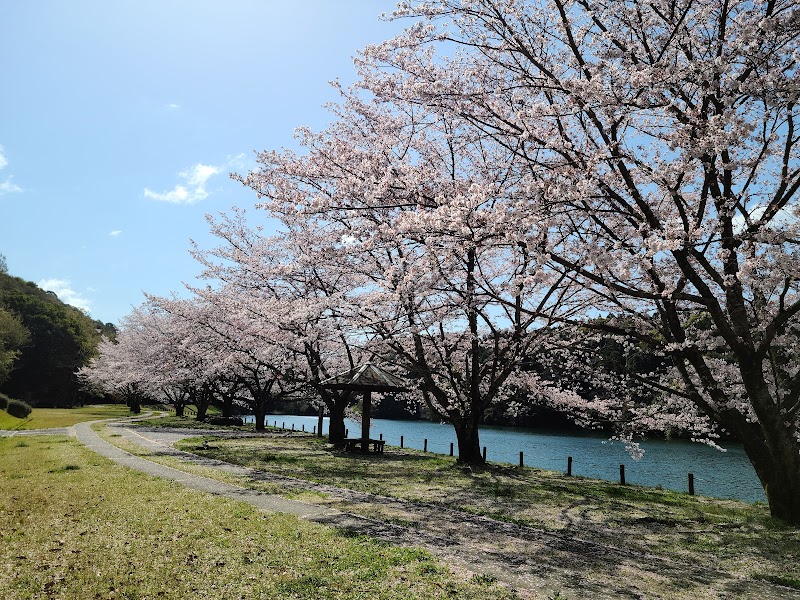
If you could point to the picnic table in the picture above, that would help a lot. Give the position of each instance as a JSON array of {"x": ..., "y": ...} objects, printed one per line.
[{"x": 352, "y": 444}]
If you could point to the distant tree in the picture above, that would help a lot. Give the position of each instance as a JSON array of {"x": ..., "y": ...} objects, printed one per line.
[
  {"x": 3, "y": 264},
  {"x": 305, "y": 302},
  {"x": 13, "y": 335},
  {"x": 62, "y": 340}
]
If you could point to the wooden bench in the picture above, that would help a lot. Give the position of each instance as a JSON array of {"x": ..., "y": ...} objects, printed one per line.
[{"x": 353, "y": 444}]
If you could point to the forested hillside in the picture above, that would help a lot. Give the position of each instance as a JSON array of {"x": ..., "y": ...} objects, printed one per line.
[{"x": 42, "y": 343}]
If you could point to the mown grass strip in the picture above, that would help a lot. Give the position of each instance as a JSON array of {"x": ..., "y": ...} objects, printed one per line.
[{"x": 74, "y": 525}]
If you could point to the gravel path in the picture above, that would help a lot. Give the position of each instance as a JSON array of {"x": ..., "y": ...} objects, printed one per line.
[{"x": 535, "y": 562}]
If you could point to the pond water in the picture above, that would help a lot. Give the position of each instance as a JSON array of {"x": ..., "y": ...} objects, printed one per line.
[{"x": 666, "y": 463}]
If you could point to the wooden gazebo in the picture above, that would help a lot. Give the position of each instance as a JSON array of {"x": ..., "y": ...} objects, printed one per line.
[{"x": 365, "y": 378}]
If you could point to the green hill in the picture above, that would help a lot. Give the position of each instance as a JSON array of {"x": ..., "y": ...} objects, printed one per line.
[{"x": 60, "y": 340}]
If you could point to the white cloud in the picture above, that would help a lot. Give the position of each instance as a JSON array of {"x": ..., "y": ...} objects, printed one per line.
[
  {"x": 62, "y": 288},
  {"x": 194, "y": 190},
  {"x": 199, "y": 174},
  {"x": 240, "y": 162},
  {"x": 115, "y": 233},
  {"x": 172, "y": 106},
  {"x": 783, "y": 218},
  {"x": 9, "y": 187}
]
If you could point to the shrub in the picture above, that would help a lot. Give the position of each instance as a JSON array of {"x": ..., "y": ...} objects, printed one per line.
[
  {"x": 4, "y": 400},
  {"x": 18, "y": 408}
]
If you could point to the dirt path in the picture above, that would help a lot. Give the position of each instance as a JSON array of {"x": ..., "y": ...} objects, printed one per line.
[{"x": 538, "y": 563}]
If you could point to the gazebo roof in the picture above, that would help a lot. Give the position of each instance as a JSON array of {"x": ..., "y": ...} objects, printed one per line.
[{"x": 365, "y": 378}]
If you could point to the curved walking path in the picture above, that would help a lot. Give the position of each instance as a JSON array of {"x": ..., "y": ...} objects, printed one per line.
[{"x": 533, "y": 561}]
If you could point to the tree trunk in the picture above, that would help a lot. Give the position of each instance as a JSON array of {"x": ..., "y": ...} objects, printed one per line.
[
  {"x": 782, "y": 486},
  {"x": 366, "y": 410},
  {"x": 336, "y": 426},
  {"x": 260, "y": 416},
  {"x": 772, "y": 448},
  {"x": 179, "y": 406},
  {"x": 134, "y": 402},
  {"x": 202, "y": 405},
  {"x": 777, "y": 464},
  {"x": 227, "y": 405},
  {"x": 469, "y": 446}
]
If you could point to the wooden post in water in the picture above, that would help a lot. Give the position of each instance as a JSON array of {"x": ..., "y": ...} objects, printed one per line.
[
  {"x": 425, "y": 446},
  {"x": 292, "y": 426},
  {"x": 691, "y": 484},
  {"x": 319, "y": 421},
  {"x": 622, "y": 474},
  {"x": 451, "y": 448},
  {"x": 521, "y": 462},
  {"x": 401, "y": 441},
  {"x": 303, "y": 427},
  {"x": 381, "y": 436},
  {"x": 569, "y": 466},
  {"x": 283, "y": 424},
  {"x": 315, "y": 430},
  {"x": 484, "y": 454},
  {"x": 346, "y": 433}
]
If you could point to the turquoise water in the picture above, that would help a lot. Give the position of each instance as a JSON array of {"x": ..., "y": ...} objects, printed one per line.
[{"x": 666, "y": 463}]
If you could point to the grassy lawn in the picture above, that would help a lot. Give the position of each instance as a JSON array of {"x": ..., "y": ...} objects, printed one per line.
[
  {"x": 733, "y": 536},
  {"x": 49, "y": 418},
  {"x": 74, "y": 525},
  {"x": 190, "y": 423}
]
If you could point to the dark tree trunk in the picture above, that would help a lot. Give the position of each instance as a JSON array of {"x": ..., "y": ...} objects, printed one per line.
[
  {"x": 781, "y": 484},
  {"x": 777, "y": 463},
  {"x": 771, "y": 447},
  {"x": 469, "y": 446},
  {"x": 179, "y": 406},
  {"x": 135, "y": 405},
  {"x": 227, "y": 405},
  {"x": 202, "y": 402},
  {"x": 366, "y": 410},
  {"x": 260, "y": 414},
  {"x": 336, "y": 426}
]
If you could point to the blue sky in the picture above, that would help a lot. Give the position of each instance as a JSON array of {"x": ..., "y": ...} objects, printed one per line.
[{"x": 120, "y": 121}]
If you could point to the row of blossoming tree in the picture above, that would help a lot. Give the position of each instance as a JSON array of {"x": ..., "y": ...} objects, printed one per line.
[{"x": 505, "y": 175}]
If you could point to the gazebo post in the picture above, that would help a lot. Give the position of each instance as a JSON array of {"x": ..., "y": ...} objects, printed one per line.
[
  {"x": 365, "y": 378},
  {"x": 365, "y": 416}
]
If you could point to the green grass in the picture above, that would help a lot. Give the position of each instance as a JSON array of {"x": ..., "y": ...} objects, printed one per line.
[
  {"x": 74, "y": 525},
  {"x": 729, "y": 535},
  {"x": 49, "y": 418},
  {"x": 188, "y": 422}
]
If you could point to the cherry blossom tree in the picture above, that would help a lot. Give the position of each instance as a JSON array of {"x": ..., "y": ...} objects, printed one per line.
[
  {"x": 241, "y": 335},
  {"x": 429, "y": 221},
  {"x": 663, "y": 135},
  {"x": 304, "y": 302},
  {"x": 153, "y": 357}
]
